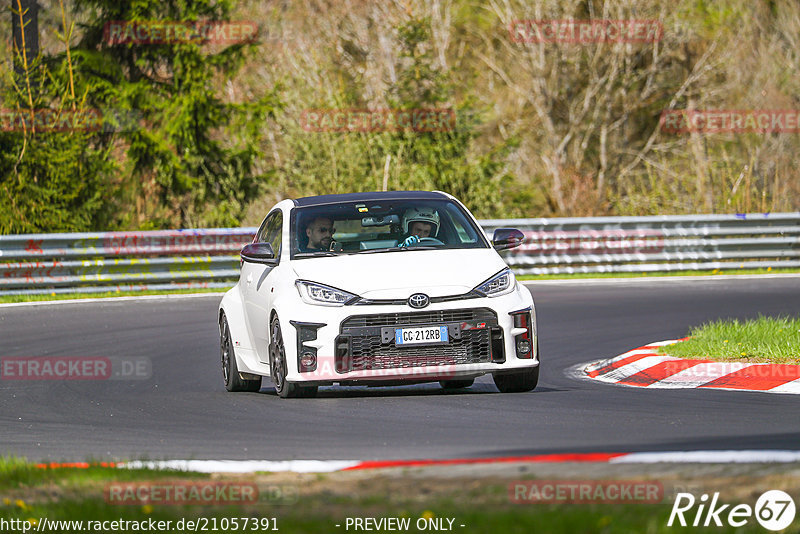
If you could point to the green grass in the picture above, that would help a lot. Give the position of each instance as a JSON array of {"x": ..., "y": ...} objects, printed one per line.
[
  {"x": 713, "y": 272},
  {"x": 67, "y": 495},
  {"x": 5, "y": 299},
  {"x": 771, "y": 340},
  {"x": 28, "y": 493},
  {"x": 522, "y": 519},
  {"x": 17, "y": 473}
]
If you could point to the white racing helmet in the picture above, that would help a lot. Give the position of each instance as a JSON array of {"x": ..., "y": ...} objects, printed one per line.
[{"x": 426, "y": 215}]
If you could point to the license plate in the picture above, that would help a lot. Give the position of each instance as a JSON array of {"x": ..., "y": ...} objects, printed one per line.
[{"x": 423, "y": 335}]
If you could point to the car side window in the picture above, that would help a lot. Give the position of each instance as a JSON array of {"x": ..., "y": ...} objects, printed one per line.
[
  {"x": 464, "y": 235},
  {"x": 273, "y": 232},
  {"x": 262, "y": 231}
]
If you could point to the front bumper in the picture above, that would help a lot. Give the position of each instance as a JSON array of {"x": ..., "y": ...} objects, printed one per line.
[
  {"x": 367, "y": 342},
  {"x": 355, "y": 344}
]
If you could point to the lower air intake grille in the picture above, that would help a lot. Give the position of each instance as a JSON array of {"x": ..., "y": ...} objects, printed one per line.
[{"x": 367, "y": 350}]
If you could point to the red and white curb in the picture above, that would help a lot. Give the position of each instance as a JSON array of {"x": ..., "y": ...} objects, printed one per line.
[
  {"x": 644, "y": 367},
  {"x": 330, "y": 466}
]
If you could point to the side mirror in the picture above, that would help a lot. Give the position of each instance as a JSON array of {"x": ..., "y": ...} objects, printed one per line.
[
  {"x": 506, "y": 238},
  {"x": 258, "y": 253}
]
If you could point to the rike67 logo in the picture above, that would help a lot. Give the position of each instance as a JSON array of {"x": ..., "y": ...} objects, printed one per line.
[{"x": 774, "y": 510}]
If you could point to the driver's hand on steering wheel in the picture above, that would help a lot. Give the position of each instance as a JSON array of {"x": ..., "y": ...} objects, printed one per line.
[{"x": 410, "y": 240}]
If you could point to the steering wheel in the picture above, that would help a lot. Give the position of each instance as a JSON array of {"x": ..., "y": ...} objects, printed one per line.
[{"x": 427, "y": 241}]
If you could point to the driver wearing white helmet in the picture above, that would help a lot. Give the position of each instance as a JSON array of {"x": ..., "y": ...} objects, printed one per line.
[{"x": 419, "y": 223}]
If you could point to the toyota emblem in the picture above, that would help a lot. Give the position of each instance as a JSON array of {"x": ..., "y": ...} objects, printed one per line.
[{"x": 418, "y": 300}]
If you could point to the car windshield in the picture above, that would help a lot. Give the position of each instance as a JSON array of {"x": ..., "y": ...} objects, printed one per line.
[{"x": 368, "y": 227}]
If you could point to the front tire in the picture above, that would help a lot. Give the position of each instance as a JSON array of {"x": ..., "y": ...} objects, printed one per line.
[
  {"x": 279, "y": 369},
  {"x": 230, "y": 372},
  {"x": 518, "y": 382}
]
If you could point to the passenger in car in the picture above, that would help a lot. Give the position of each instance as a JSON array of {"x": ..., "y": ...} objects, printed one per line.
[
  {"x": 420, "y": 229},
  {"x": 419, "y": 223}
]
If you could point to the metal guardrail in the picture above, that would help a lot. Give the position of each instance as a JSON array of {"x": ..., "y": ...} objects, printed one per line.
[
  {"x": 654, "y": 244},
  {"x": 120, "y": 261},
  {"x": 174, "y": 259}
]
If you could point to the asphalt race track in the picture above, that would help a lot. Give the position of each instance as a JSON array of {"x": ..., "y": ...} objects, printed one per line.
[{"x": 184, "y": 412}]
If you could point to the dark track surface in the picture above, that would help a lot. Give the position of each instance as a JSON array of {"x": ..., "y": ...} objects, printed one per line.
[{"x": 184, "y": 412}]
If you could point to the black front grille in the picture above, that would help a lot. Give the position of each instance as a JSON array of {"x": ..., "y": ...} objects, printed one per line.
[
  {"x": 420, "y": 318},
  {"x": 361, "y": 346}
]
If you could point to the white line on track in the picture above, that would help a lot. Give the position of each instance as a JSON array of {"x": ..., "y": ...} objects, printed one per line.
[
  {"x": 245, "y": 466},
  {"x": 709, "y": 457},
  {"x": 329, "y": 466}
]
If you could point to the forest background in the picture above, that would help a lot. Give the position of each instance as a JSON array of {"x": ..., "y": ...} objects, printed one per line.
[{"x": 212, "y": 134}]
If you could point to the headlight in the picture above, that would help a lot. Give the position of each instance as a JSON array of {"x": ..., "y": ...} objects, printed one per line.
[
  {"x": 500, "y": 284},
  {"x": 313, "y": 293}
]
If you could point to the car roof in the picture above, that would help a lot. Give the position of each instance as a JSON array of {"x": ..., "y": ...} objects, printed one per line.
[{"x": 321, "y": 200}]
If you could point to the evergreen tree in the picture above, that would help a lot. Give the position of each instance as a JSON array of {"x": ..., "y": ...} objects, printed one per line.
[
  {"x": 171, "y": 152},
  {"x": 193, "y": 159}
]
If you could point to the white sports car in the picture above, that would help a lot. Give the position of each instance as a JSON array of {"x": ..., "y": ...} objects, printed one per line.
[{"x": 378, "y": 289}]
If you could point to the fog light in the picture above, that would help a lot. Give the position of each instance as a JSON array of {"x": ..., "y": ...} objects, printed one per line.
[
  {"x": 306, "y": 356},
  {"x": 308, "y": 360},
  {"x": 523, "y": 342}
]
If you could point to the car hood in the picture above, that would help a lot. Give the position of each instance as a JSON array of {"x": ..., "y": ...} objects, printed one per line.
[{"x": 396, "y": 275}]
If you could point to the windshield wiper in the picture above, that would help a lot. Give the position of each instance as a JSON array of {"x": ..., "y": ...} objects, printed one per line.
[
  {"x": 395, "y": 249},
  {"x": 316, "y": 253},
  {"x": 374, "y": 250}
]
